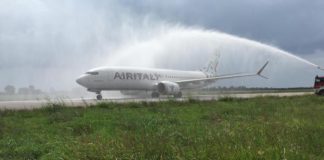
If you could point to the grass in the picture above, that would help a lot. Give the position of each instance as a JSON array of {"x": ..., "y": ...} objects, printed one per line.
[{"x": 258, "y": 128}]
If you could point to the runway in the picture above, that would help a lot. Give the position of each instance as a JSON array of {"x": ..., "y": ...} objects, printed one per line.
[{"x": 80, "y": 102}]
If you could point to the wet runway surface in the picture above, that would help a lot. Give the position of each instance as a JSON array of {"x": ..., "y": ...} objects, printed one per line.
[{"x": 79, "y": 102}]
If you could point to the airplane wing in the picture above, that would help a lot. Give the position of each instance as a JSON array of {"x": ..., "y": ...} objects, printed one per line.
[{"x": 230, "y": 76}]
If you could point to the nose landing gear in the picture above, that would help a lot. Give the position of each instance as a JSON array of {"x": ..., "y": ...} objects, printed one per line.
[{"x": 99, "y": 96}]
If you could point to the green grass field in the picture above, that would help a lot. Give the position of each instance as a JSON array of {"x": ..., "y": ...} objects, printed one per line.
[{"x": 258, "y": 128}]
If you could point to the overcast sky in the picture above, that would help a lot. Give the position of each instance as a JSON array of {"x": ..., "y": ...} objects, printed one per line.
[
  {"x": 293, "y": 25},
  {"x": 40, "y": 39}
]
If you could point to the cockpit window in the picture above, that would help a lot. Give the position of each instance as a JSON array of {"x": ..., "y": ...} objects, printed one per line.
[{"x": 92, "y": 73}]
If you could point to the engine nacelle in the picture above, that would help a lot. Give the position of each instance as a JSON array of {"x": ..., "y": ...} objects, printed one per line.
[{"x": 168, "y": 88}]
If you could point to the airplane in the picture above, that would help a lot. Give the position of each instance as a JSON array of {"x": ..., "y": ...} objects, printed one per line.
[{"x": 159, "y": 81}]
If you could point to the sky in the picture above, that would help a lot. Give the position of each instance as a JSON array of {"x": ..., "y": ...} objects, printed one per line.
[
  {"x": 293, "y": 25},
  {"x": 49, "y": 43}
]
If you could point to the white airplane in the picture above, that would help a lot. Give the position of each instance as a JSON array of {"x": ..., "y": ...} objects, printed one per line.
[{"x": 159, "y": 81}]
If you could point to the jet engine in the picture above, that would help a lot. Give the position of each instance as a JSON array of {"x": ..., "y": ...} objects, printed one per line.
[{"x": 169, "y": 88}]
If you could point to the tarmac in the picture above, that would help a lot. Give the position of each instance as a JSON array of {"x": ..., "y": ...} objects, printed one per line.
[{"x": 81, "y": 102}]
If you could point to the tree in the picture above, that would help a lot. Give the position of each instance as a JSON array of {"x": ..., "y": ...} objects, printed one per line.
[{"x": 9, "y": 89}]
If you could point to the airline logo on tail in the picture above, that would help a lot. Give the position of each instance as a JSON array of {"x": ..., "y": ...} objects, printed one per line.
[{"x": 211, "y": 68}]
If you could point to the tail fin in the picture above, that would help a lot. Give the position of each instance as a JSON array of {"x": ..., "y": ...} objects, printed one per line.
[{"x": 211, "y": 68}]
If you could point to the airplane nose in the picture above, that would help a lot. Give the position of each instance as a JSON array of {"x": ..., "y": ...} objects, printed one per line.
[
  {"x": 78, "y": 81},
  {"x": 81, "y": 81}
]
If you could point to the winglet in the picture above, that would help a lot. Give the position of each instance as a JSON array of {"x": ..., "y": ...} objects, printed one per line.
[{"x": 259, "y": 73}]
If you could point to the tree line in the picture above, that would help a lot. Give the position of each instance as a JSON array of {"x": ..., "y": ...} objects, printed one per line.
[{"x": 11, "y": 90}]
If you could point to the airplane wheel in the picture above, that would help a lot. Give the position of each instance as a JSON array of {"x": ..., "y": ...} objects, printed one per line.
[
  {"x": 155, "y": 95},
  {"x": 178, "y": 95},
  {"x": 99, "y": 97}
]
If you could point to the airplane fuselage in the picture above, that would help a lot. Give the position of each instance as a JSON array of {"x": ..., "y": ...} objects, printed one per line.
[
  {"x": 129, "y": 78},
  {"x": 160, "y": 81}
]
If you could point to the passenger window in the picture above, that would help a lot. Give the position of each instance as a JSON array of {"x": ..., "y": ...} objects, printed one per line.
[{"x": 93, "y": 73}]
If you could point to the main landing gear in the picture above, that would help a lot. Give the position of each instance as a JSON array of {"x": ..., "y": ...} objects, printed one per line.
[
  {"x": 178, "y": 95},
  {"x": 99, "y": 96},
  {"x": 155, "y": 95}
]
